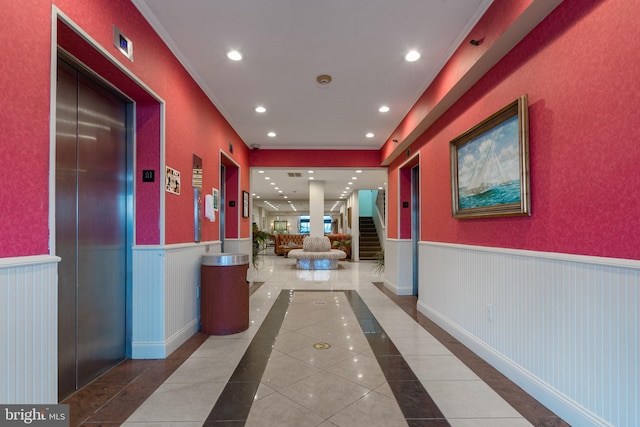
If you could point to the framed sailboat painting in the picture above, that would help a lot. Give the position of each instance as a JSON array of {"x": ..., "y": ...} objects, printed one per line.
[{"x": 490, "y": 166}]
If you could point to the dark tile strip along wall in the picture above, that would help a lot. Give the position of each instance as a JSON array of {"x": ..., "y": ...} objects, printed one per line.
[
  {"x": 535, "y": 412},
  {"x": 414, "y": 401},
  {"x": 233, "y": 405},
  {"x": 114, "y": 396}
]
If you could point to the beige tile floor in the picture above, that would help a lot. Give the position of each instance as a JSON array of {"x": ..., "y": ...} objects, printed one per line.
[{"x": 340, "y": 386}]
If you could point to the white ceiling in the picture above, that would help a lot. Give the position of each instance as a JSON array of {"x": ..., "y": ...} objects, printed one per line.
[{"x": 288, "y": 43}]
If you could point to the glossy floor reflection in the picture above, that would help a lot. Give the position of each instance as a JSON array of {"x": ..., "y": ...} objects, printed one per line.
[{"x": 324, "y": 348}]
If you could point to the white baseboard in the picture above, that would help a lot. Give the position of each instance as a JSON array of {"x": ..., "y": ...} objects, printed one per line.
[{"x": 161, "y": 350}]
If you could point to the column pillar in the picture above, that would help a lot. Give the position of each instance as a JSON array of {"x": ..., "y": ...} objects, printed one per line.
[{"x": 316, "y": 208}]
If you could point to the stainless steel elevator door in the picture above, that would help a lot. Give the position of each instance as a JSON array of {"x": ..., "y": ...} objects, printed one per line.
[{"x": 91, "y": 193}]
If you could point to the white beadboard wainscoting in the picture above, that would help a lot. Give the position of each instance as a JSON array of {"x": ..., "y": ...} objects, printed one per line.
[
  {"x": 398, "y": 268},
  {"x": 29, "y": 330},
  {"x": 238, "y": 246},
  {"x": 165, "y": 300},
  {"x": 565, "y": 328}
]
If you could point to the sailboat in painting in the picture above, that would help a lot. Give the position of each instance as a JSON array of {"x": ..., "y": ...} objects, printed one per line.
[
  {"x": 480, "y": 182},
  {"x": 492, "y": 177}
]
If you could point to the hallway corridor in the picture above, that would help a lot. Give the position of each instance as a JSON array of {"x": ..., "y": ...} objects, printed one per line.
[{"x": 324, "y": 348}]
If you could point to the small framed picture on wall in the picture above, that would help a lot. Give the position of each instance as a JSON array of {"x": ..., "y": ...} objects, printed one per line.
[
  {"x": 245, "y": 204},
  {"x": 216, "y": 199}
]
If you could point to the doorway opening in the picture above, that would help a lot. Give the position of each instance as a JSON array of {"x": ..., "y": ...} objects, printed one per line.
[
  {"x": 409, "y": 217},
  {"x": 415, "y": 225},
  {"x": 229, "y": 201}
]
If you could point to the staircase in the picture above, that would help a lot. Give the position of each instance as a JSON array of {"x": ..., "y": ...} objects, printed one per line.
[{"x": 369, "y": 241}]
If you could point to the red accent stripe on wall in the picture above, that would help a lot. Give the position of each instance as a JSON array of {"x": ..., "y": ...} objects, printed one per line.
[{"x": 315, "y": 158}]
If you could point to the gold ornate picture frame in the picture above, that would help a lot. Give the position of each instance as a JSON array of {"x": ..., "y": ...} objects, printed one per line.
[{"x": 490, "y": 166}]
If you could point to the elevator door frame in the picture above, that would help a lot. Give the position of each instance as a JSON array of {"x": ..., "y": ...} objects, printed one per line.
[{"x": 415, "y": 228}]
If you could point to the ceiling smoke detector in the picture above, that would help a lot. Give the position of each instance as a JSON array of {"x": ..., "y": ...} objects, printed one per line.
[{"x": 324, "y": 79}]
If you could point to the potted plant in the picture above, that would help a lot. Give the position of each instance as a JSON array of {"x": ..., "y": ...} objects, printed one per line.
[
  {"x": 378, "y": 263},
  {"x": 259, "y": 239},
  {"x": 343, "y": 244}
]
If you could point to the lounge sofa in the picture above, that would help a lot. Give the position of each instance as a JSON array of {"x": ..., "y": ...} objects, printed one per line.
[
  {"x": 285, "y": 242},
  {"x": 316, "y": 254}
]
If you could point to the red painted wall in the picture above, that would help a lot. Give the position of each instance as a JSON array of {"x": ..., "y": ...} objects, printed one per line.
[
  {"x": 193, "y": 124},
  {"x": 580, "y": 69},
  {"x": 148, "y": 158},
  {"x": 578, "y": 66},
  {"x": 315, "y": 158},
  {"x": 405, "y": 197},
  {"x": 232, "y": 198},
  {"x": 24, "y": 121}
]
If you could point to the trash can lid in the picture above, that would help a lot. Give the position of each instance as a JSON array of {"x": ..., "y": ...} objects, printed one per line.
[{"x": 223, "y": 259}]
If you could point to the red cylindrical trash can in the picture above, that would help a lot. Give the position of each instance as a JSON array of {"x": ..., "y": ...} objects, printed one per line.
[{"x": 224, "y": 294}]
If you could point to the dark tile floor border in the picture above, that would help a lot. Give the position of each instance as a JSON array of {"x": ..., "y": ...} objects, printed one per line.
[
  {"x": 418, "y": 407},
  {"x": 532, "y": 410},
  {"x": 233, "y": 406},
  {"x": 113, "y": 397}
]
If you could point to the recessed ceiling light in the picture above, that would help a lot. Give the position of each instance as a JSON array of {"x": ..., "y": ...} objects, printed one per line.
[
  {"x": 383, "y": 109},
  {"x": 260, "y": 109},
  {"x": 354, "y": 177},
  {"x": 412, "y": 56},
  {"x": 260, "y": 171},
  {"x": 235, "y": 55},
  {"x": 311, "y": 177},
  {"x": 276, "y": 188},
  {"x": 350, "y": 183},
  {"x": 267, "y": 178},
  {"x": 358, "y": 171},
  {"x": 271, "y": 134},
  {"x": 369, "y": 135},
  {"x": 272, "y": 183},
  {"x": 311, "y": 171}
]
